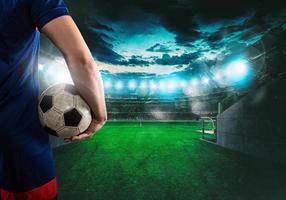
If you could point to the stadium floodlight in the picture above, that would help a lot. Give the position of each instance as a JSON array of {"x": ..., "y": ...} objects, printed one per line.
[
  {"x": 41, "y": 67},
  {"x": 153, "y": 85},
  {"x": 58, "y": 74},
  {"x": 217, "y": 76},
  {"x": 237, "y": 70},
  {"x": 107, "y": 84},
  {"x": 50, "y": 72},
  {"x": 162, "y": 85},
  {"x": 205, "y": 80},
  {"x": 194, "y": 82},
  {"x": 63, "y": 76},
  {"x": 183, "y": 84},
  {"x": 132, "y": 84},
  {"x": 143, "y": 85},
  {"x": 119, "y": 85},
  {"x": 172, "y": 84}
]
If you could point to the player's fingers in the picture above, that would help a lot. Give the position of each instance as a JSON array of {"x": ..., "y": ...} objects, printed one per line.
[
  {"x": 89, "y": 133},
  {"x": 67, "y": 139},
  {"x": 91, "y": 128},
  {"x": 80, "y": 137},
  {"x": 83, "y": 136},
  {"x": 71, "y": 139}
]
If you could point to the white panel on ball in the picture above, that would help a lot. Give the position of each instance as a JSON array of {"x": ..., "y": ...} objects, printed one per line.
[
  {"x": 63, "y": 101},
  {"x": 84, "y": 109},
  {"x": 54, "y": 119},
  {"x": 85, "y": 122}
]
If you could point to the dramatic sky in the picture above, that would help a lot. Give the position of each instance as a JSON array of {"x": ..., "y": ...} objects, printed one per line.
[{"x": 150, "y": 37}]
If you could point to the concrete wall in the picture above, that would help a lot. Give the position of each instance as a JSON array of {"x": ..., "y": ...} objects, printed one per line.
[{"x": 256, "y": 125}]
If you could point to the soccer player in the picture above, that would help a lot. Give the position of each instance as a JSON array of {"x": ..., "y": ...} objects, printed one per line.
[{"x": 26, "y": 164}]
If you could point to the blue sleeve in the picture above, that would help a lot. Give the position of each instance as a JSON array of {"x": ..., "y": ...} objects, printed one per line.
[{"x": 43, "y": 11}]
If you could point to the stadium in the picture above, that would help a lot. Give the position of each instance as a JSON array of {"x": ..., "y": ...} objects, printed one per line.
[{"x": 195, "y": 93}]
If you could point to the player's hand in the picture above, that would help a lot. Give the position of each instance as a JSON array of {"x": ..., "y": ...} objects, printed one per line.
[{"x": 90, "y": 131}]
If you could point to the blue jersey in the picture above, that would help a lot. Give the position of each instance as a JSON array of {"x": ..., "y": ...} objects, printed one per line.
[{"x": 20, "y": 129}]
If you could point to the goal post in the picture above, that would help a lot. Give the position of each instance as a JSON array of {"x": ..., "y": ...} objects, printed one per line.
[{"x": 208, "y": 125}]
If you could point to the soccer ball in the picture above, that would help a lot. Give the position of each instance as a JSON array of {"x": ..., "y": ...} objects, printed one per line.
[{"x": 63, "y": 112}]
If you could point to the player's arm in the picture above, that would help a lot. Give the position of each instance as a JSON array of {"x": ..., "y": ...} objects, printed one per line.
[{"x": 64, "y": 33}]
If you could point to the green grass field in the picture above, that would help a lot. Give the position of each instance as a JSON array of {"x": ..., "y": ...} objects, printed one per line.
[{"x": 162, "y": 161}]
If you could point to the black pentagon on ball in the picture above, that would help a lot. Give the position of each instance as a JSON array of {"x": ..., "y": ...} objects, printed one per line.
[
  {"x": 50, "y": 131},
  {"x": 46, "y": 103},
  {"x": 71, "y": 89},
  {"x": 72, "y": 118}
]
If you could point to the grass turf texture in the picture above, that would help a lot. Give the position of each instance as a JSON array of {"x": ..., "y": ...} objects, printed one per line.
[{"x": 162, "y": 161}]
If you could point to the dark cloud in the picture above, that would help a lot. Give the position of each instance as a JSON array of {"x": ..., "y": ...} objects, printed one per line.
[
  {"x": 101, "y": 49},
  {"x": 230, "y": 25},
  {"x": 95, "y": 33},
  {"x": 166, "y": 59},
  {"x": 252, "y": 32},
  {"x": 106, "y": 36},
  {"x": 236, "y": 47},
  {"x": 135, "y": 61},
  {"x": 177, "y": 60},
  {"x": 179, "y": 16},
  {"x": 95, "y": 24},
  {"x": 223, "y": 32},
  {"x": 211, "y": 11},
  {"x": 159, "y": 48},
  {"x": 185, "y": 39},
  {"x": 274, "y": 38}
]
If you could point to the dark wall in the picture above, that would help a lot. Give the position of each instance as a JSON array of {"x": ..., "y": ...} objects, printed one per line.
[{"x": 256, "y": 124}]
